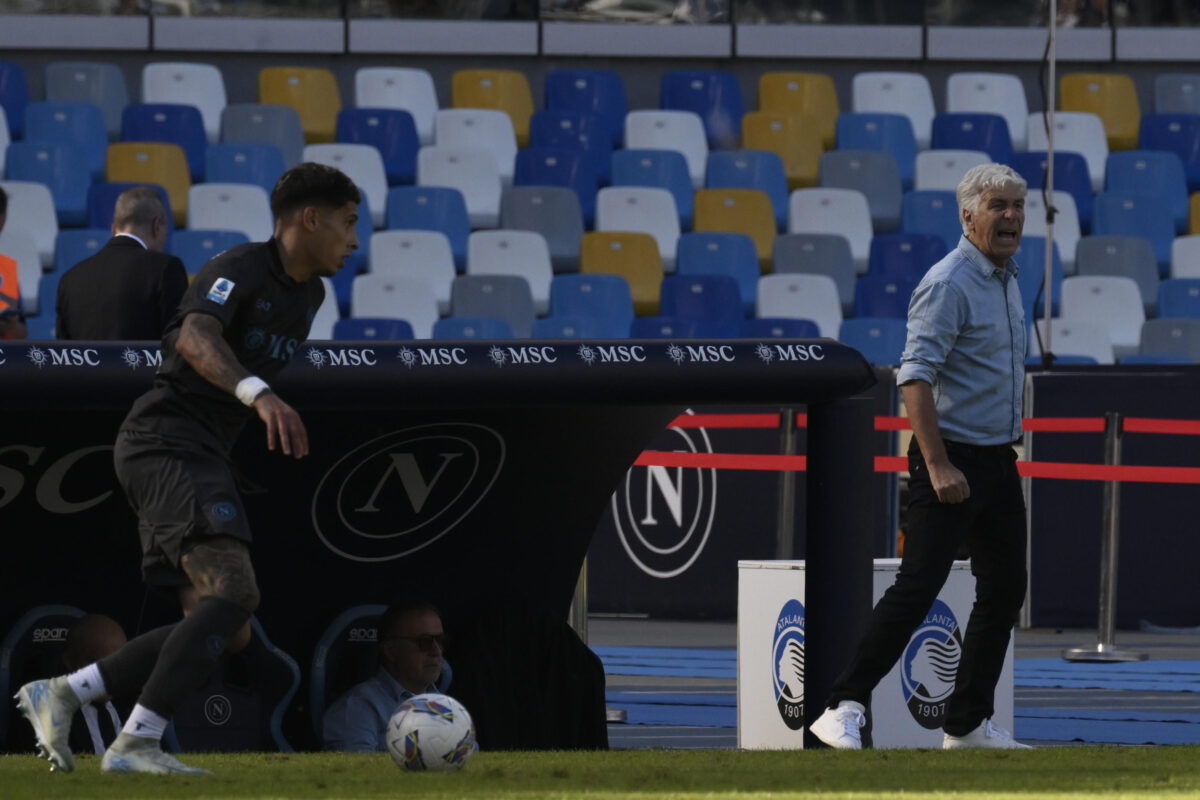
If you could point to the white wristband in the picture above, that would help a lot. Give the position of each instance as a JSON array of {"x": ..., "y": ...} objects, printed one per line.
[{"x": 248, "y": 389}]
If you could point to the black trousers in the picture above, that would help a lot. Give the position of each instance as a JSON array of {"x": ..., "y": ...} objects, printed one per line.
[{"x": 991, "y": 523}]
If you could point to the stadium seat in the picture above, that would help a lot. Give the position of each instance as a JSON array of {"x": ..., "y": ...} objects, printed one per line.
[
  {"x": 556, "y": 166},
  {"x": 102, "y": 202},
  {"x": 1070, "y": 175},
  {"x": 681, "y": 131},
  {"x": 1074, "y": 131},
  {"x": 73, "y": 246},
  {"x": 4, "y": 142},
  {"x": 1031, "y": 256},
  {"x": 991, "y": 93},
  {"x": 168, "y": 122},
  {"x": 432, "y": 208},
  {"x": 21, "y": 247},
  {"x": 933, "y": 212},
  {"x": 31, "y": 213},
  {"x": 1172, "y": 337},
  {"x": 152, "y": 162},
  {"x": 839, "y": 211},
  {"x": 881, "y": 340},
  {"x": 26, "y": 654},
  {"x": 712, "y": 299},
  {"x": 642, "y": 209},
  {"x": 505, "y": 297},
  {"x": 987, "y": 133},
  {"x": 1112, "y": 302},
  {"x": 792, "y": 137},
  {"x": 779, "y": 328},
  {"x": 255, "y": 123},
  {"x": 1176, "y": 93},
  {"x": 472, "y": 172},
  {"x": 751, "y": 169},
  {"x": 363, "y": 164},
  {"x": 811, "y": 94},
  {"x": 504, "y": 90},
  {"x": 1153, "y": 172},
  {"x": 43, "y": 326},
  {"x": 327, "y": 315},
  {"x": 79, "y": 124},
  {"x": 1149, "y": 216},
  {"x": 801, "y": 296},
  {"x": 595, "y": 91},
  {"x": 747, "y": 211},
  {"x": 632, "y": 256},
  {"x": 888, "y": 133},
  {"x": 883, "y": 295},
  {"x": 552, "y": 211},
  {"x": 1122, "y": 256},
  {"x": 256, "y": 164},
  {"x": 575, "y": 130},
  {"x": 565, "y": 327},
  {"x": 100, "y": 83},
  {"x": 662, "y": 327},
  {"x": 909, "y": 254},
  {"x": 196, "y": 247},
  {"x": 1179, "y": 134},
  {"x": 819, "y": 254},
  {"x": 311, "y": 91},
  {"x": 872, "y": 172},
  {"x": 663, "y": 169},
  {"x": 1066, "y": 224},
  {"x": 396, "y": 297},
  {"x": 404, "y": 88},
  {"x": 728, "y": 254},
  {"x": 240, "y": 207},
  {"x": 1112, "y": 97},
  {"x": 712, "y": 94},
  {"x": 1194, "y": 214},
  {"x": 199, "y": 85},
  {"x": 1185, "y": 257},
  {"x": 520, "y": 253},
  {"x": 479, "y": 129},
  {"x": 356, "y": 264},
  {"x": 375, "y": 329},
  {"x": 905, "y": 93},
  {"x": 603, "y": 300},
  {"x": 944, "y": 169},
  {"x": 61, "y": 167},
  {"x": 416, "y": 254},
  {"x": 472, "y": 328},
  {"x": 14, "y": 97},
  {"x": 1178, "y": 297},
  {"x": 1070, "y": 338},
  {"x": 391, "y": 131}
]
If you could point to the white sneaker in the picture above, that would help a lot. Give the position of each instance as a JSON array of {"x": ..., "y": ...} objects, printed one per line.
[
  {"x": 986, "y": 735},
  {"x": 129, "y": 753},
  {"x": 49, "y": 705},
  {"x": 841, "y": 727}
]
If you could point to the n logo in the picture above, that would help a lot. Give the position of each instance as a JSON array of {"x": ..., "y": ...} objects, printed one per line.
[
  {"x": 670, "y": 491},
  {"x": 416, "y": 488}
]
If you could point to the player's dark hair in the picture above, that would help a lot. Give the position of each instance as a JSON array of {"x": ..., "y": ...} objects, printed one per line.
[
  {"x": 400, "y": 609},
  {"x": 311, "y": 184}
]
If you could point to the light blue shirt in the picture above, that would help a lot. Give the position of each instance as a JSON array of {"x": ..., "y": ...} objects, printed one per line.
[
  {"x": 966, "y": 339},
  {"x": 357, "y": 721}
]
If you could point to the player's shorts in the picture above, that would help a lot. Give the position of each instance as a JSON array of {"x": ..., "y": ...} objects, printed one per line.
[{"x": 182, "y": 493}]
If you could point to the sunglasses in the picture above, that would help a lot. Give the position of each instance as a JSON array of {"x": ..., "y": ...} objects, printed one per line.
[{"x": 425, "y": 641}]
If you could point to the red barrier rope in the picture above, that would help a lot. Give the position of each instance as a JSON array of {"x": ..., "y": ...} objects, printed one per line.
[
  {"x": 725, "y": 421},
  {"x": 1179, "y": 426},
  {"x": 775, "y": 463}
]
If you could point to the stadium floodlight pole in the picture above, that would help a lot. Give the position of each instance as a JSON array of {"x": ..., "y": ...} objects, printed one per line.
[{"x": 1048, "y": 191}]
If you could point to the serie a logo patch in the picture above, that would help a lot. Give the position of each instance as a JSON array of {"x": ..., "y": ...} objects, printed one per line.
[
  {"x": 930, "y": 666},
  {"x": 220, "y": 291}
]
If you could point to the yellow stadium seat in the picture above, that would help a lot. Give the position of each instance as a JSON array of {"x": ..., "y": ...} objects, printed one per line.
[
  {"x": 312, "y": 91},
  {"x": 745, "y": 211},
  {"x": 505, "y": 90},
  {"x": 792, "y": 137},
  {"x": 633, "y": 256},
  {"x": 1194, "y": 213},
  {"x": 1111, "y": 97},
  {"x": 152, "y": 162},
  {"x": 809, "y": 93}
]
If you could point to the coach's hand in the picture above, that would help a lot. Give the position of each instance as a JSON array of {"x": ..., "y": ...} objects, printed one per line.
[
  {"x": 949, "y": 483},
  {"x": 283, "y": 424}
]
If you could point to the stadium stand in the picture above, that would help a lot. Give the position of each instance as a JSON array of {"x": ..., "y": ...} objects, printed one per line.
[
  {"x": 78, "y": 124},
  {"x": 632, "y": 256},
  {"x": 712, "y": 94},
  {"x": 522, "y": 254},
  {"x": 889, "y": 133},
  {"x": 1110, "y": 96},
  {"x": 603, "y": 300},
  {"x": 505, "y": 297},
  {"x": 729, "y": 254},
  {"x": 906, "y": 93},
  {"x": 641, "y": 209},
  {"x": 811, "y": 95},
  {"x": 819, "y": 254},
  {"x": 404, "y": 88},
  {"x": 100, "y": 83},
  {"x": 790, "y": 136},
  {"x": 504, "y": 90},
  {"x": 312, "y": 91},
  {"x": 198, "y": 85},
  {"x": 552, "y": 211},
  {"x": 595, "y": 91},
  {"x": 801, "y": 296},
  {"x": 416, "y": 254},
  {"x": 255, "y": 123},
  {"x": 991, "y": 93}
]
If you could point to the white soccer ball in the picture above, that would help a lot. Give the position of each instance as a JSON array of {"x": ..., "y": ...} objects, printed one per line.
[{"x": 431, "y": 732}]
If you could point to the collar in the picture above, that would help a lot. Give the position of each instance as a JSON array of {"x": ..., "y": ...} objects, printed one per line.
[
  {"x": 982, "y": 262},
  {"x": 277, "y": 262},
  {"x": 133, "y": 236}
]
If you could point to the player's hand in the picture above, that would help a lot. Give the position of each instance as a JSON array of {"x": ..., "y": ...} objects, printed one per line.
[
  {"x": 949, "y": 483},
  {"x": 283, "y": 425}
]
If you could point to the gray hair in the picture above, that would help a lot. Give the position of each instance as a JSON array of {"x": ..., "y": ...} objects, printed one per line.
[
  {"x": 137, "y": 208},
  {"x": 984, "y": 178}
]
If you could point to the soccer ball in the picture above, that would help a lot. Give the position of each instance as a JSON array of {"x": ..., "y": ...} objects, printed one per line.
[{"x": 431, "y": 732}]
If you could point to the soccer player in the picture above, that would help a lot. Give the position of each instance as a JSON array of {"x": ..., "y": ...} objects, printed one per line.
[{"x": 237, "y": 325}]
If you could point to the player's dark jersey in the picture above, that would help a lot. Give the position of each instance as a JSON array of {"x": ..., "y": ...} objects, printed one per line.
[{"x": 265, "y": 314}]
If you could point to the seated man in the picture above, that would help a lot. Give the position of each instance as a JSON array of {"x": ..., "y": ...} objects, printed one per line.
[{"x": 410, "y": 663}]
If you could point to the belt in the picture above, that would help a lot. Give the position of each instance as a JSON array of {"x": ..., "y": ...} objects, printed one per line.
[{"x": 981, "y": 449}]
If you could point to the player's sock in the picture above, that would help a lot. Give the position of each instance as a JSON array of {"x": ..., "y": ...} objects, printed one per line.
[
  {"x": 145, "y": 723},
  {"x": 190, "y": 653},
  {"x": 87, "y": 684},
  {"x": 126, "y": 671}
]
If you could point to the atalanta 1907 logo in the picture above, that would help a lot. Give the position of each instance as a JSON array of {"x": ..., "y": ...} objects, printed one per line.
[
  {"x": 787, "y": 660},
  {"x": 930, "y": 666}
]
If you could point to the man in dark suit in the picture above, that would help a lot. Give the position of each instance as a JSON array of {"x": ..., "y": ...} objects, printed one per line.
[{"x": 129, "y": 289}]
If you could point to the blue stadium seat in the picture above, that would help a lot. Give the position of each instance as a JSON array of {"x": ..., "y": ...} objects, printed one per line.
[
  {"x": 259, "y": 123},
  {"x": 472, "y": 328},
  {"x": 1031, "y": 256},
  {"x": 1178, "y": 133},
  {"x": 73, "y": 246},
  {"x": 431, "y": 208},
  {"x": 779, "y": 328},
  {"x": 392, "y": 131},
  {"x": 1070, "y": 175},
  {"x": 595, "y": 91},
  {"x": 715, "y": 299},
  {"x": 376, "y": 329},
  {"x": 168, "y": 122},
  {"x": 872, "y": 172},
  {"x": 1179, "y": 297},
  {"x": 99, "y": 83},
  {"x": 972, "y": 131},
  {"x": 80, "y": 124},
  {"x": 505, "y": 297},
  {"x": 890, "y": 133},
  {"x": 660, "y": 327},
  {"x": 880, "y": 339},
  {"x": 554, "y": 327},
  {"x": 1143, "y": 215},
  {"x": 1153, "y": 172},
  {"x": 1172, "y": 336},
  {"x": 713, "y": 94},
  {"x": 61, "y": 167},
  {"x": 102, "y": 201},
  {"x": 664, "y": 169},
  {"x": 1177, "y": 93},
  {"x": 575, "y": 130},
  {"x": 1146, "y": 358},
  {"x": 604, "y": 300},
  {"x": 557, "y": 166},
  {"x": 195, "y": 248},
  {"x": 751, "y": 169},
  {"x": 932, "y": 211},
  {"x": 883, "y": 295},
  {"x": 731, "y": 254},
  {"x": 14, "y": 96},
  {"x": 905, "y": 253},
  {"x": 241, "y": 162},
  {"x": 43, "y": 325}
]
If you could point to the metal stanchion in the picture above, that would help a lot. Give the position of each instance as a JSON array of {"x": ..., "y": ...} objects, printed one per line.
[
  {"x": 577, "y": 617},
  {"x": 786, "y": 523},
  {"x": 1105, "y": 649}
]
